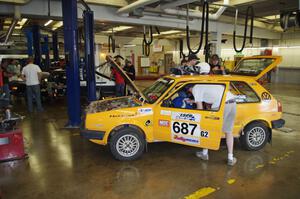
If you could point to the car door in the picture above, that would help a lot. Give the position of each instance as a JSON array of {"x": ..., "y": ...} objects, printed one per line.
[{"x": 193, "y": 127}]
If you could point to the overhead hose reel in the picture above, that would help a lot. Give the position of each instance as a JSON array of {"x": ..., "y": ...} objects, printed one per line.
[
  {"x": 205, "y": 15},
  {"x": 146, "y": 43},
  {"x": 250, "y": 11}
]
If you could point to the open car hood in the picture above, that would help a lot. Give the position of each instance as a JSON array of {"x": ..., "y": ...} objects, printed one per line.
[
  {"x": 112, "y": 104},
  {"x": 128, "y": 81},
  {"x": 256, "y": 66}
]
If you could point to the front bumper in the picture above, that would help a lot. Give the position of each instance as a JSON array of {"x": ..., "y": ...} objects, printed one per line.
[
  {"x": 94, "y": 135},
  {"x": 278, "y": 123}
]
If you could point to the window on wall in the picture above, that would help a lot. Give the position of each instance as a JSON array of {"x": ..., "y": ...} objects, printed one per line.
[{"x": 244, "y": 93}]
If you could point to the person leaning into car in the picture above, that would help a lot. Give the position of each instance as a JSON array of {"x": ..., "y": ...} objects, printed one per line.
[{"x": 212, "y": 95}]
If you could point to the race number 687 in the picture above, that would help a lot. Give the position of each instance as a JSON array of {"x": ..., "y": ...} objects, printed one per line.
[{"x": 184, "y": 128}]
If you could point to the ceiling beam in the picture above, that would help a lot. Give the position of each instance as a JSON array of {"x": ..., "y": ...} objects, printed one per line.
[{"x": 39, "y": 9}]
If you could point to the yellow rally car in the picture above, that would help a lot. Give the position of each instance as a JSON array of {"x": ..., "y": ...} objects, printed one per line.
[{"x": 158, "y": 113}]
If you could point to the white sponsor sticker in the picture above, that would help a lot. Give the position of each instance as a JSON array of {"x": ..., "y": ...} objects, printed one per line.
[
  {"x": 145, "y": 111},
  {"x": 164, "y": 112},
  {"x": 186, "y": 116},
  {"x": 185, "y": 139},
  {"x": 164, "y": 123}
]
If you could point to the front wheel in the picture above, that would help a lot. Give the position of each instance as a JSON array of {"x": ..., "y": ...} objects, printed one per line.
[
  {"x": 127, "y": 144},
  {"x": 255, "y": 136}
]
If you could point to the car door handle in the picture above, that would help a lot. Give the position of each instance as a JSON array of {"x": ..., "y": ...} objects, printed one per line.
[{"x": 212, "y": 117}]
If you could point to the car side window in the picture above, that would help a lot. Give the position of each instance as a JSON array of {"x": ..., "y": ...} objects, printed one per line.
[
  {"x": 189, "y": 96},
  {"x": 244, "y": 93}
]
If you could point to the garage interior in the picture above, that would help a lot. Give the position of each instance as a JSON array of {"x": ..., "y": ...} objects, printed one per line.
[{"x": 79, "y": 35}]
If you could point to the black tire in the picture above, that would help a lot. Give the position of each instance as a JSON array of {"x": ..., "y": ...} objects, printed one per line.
[
  {"x": 255, "y": 137},
  {"x": 135, "y": 144}
]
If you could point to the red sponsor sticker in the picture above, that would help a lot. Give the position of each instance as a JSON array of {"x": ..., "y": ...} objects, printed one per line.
[{"x": 165, "y": 123}]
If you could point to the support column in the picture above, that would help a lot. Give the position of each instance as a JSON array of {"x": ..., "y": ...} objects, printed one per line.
[
  {"x": 36, "y": 44},
  {"x": 46, "y": 53},
  {"x": 217, "y": 42},
  {"x": 97, "y": 55},
  {"x": 55, "y": 46},
  {"x": 69, "y": 9},
  {"x": 88, "y": 20},
  {"x": 29, "y": 37}
]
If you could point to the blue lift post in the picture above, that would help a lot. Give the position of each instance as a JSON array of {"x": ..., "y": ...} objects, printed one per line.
[
  {"x": 36, "y": 44},
  {"x": 46, "y": 52},
  {"x": 69, "y": 10},
  {"x": 88, "y": 20},
  {"x": 28, "y": 33},
  {"x": 55, "y": 46}
]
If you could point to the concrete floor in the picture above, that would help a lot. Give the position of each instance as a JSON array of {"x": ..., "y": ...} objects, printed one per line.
[{"x": 63, "y": 165}]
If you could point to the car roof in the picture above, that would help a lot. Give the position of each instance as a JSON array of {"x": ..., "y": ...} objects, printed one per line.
[{"x": 213, "y": 78}]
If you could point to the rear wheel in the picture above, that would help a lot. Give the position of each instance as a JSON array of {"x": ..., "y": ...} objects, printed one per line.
[
  {"x": 255, "y": 136},
  {"x": 127, "y": 144}
]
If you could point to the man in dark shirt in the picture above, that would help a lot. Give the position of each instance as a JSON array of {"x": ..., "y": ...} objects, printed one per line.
[{"x": 129, "y": 69}]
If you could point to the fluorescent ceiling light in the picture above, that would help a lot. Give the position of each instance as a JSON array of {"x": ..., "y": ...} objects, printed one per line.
[
  {"x": 57, "y": 25},
  {"x": 18, "y": 27},
  {"x": 128, "y": 45},
  {"x": 118, "y": 29},
  {"x": 169, "y": 32},
  {"x": 7, "y": 21},
  {"x": 48, "y": 22},
  {"x": 272, "y": 17},
  {"x": 22, "y": 22}
]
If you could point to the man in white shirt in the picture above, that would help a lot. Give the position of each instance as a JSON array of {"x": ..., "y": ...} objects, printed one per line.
[
  {"x": 31, "y": 74},
  {"x": 212, "y": 95}
]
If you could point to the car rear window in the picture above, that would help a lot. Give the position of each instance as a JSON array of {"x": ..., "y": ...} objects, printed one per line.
[{"x": 244, "y": 93}]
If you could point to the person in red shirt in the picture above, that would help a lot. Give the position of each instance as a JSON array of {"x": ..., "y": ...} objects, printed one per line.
[{"x": 120, "y": 83}]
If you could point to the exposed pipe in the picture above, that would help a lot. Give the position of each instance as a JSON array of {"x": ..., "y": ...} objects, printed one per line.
[
  {"x": 198, "y": 14},
  {"x": 10, "y": 30},
  {"x": 86, "y": 6},
  {"x": 135, "y": 5}
]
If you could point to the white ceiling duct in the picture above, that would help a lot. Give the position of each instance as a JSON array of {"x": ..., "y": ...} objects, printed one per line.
[
  {"x": 177, "y": 3},
  {"x": 15, "y": 1},
  {"x": 198, "y": 14},
  {"x": 137, "y": 4}
]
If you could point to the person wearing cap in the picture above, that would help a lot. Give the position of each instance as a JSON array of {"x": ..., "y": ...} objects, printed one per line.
[
  {"x": 212, "y": 96},
  {"x": 215, "y": 66}
]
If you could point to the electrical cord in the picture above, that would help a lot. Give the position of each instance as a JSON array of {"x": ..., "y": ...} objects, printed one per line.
[{"x": 250, "y": 10}]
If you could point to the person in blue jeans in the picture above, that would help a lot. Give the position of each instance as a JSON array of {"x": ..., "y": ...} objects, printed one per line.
[{"x": 31, "y": 73}]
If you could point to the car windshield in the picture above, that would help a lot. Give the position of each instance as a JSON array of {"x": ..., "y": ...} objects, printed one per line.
[
  {"x": 156, "y": 90},
  {"x": 252, "y": 67}
]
